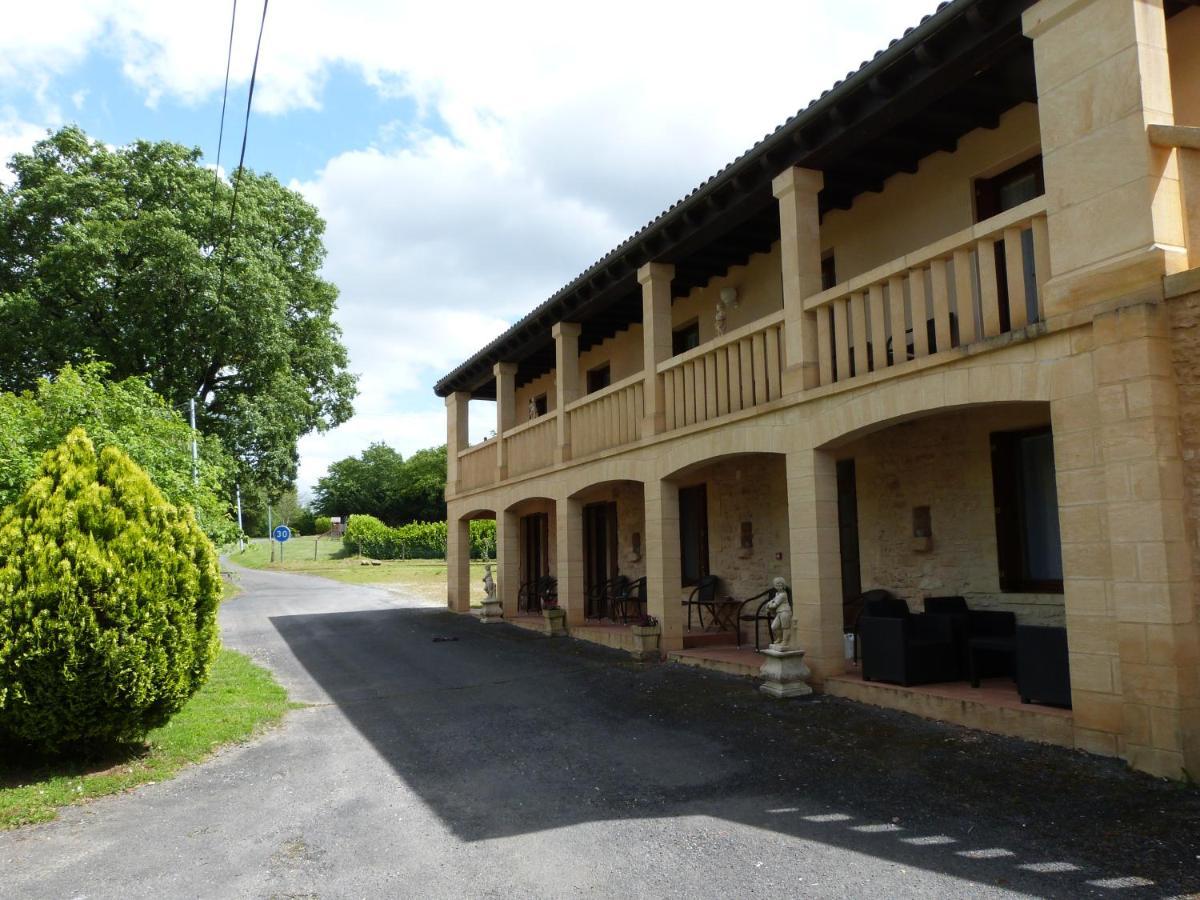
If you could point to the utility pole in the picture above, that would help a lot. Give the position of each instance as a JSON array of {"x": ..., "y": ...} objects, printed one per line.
[
  {"x": 270, "y": 532},
  {"x": 195, "y": 449},
  {"x": 241, "y": 531}
]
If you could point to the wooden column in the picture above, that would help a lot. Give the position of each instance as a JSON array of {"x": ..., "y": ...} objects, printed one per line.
[
  {"x": 655, "y": 279},
  {"x": 457, "y": 426},
  {"x": 506, "y": 413},
  {"x": 800, "y": 262},
  {"x": 566, "y": 382}
]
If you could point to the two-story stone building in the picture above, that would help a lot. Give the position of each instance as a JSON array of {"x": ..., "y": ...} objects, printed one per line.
[{"x": 936, "y": 334}]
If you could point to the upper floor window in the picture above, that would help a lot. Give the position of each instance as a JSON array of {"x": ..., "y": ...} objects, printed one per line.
[
  {"x": 1010, "y": 188},
  {"x": 599, "y": 378},
  {"x": 685, "y": 337},
  {"x": 537, "y": 406},
  {"x": 828, "y": 271}
]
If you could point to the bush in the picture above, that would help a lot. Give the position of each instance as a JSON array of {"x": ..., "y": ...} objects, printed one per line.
[
  {"x": 322, "y": 524},
  {"x": 108, "y": 598},
  {"x": 416, "y": 540},
  {"x": 302, "y": 522}
]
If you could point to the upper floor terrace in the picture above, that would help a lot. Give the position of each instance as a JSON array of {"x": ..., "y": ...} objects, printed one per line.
[{"x": 989, "y": 178}]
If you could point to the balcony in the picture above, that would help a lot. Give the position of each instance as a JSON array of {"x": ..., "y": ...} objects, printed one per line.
[{"x": 965, "y": 289}]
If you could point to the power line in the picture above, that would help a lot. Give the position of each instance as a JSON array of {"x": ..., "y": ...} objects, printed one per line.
[
  {"x": 237, "y": 178},
  {"x": 212, "y": 214}
]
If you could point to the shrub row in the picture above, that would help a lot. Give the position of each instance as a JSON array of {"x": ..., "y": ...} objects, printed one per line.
[{"x": 416, "y": 540}]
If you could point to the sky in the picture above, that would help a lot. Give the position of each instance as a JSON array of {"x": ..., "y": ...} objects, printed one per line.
[{"x": 469, "y": 159}]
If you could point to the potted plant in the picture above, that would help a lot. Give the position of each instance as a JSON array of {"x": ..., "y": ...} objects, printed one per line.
[
  {"x": 647, "y": 635},
  {"x": 555, "y": 618}
]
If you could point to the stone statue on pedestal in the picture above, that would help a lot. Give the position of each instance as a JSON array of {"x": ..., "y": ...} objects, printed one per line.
[
  {"x": 489, "y": 584},
  {"x": 780, "y": 606}
]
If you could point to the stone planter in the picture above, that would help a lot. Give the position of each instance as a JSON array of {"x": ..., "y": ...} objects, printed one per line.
[
  {"x": 646, "y": 639},
  {"x": 493, "y": 612},
  {"x": 555, "y": 620}
]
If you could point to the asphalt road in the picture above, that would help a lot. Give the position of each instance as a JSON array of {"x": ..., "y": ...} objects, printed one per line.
[{"x": 504, "y": 764}]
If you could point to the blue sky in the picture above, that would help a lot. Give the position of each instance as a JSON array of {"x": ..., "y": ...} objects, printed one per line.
[{"x": 468, "y": 159}]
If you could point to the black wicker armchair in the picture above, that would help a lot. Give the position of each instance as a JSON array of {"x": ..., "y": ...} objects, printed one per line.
[{"x": 901, "y": 647}]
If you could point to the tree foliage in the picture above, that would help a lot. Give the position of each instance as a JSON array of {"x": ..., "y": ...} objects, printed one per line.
[
  {"x": 118, "y": 254},
  {"x": 124, "y": 414},
  {"x": 381, "y": 483},
  {"x": 108, "y": 598}
]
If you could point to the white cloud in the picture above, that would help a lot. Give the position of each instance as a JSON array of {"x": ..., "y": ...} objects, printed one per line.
[{"x": 549, "y": 131}]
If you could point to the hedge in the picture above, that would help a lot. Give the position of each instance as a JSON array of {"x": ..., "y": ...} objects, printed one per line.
[{"x": 416, "y": 540}]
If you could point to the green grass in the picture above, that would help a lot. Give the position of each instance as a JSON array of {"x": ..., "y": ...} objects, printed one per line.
[
  {"x": 424, "y": 578},
  {"x": 239, "y": 700}
]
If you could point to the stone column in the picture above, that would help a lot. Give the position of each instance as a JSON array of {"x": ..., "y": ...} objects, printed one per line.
[
  {"x": 506, "y": 413},
  {"x": 508, "y": 561},
  {"x": 816, "y": 559},
  {"x": 800, "y": 261},
  {"x": 457, "y": 437},
  {"x": 655, "y": 279},
  {"x": 1153, "y": 584},
  {"x": 568, "y": 528},
  {"x": 1103, "y": 77},
  {"x": 458, "y": 565},
  {"x": 566, "y": 382},
  {"x": 664, "y": 587}
]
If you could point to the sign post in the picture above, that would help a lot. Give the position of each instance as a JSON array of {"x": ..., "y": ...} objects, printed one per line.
[{"x": 281, "y": 534}]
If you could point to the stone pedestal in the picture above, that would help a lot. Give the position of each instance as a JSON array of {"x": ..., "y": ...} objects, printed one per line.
[
  {"x": 555, "y": 622},
  {"x": 784, "y": 673},
  {"x": 493, "y": 611},
  {"x": 646, "y": 637}
]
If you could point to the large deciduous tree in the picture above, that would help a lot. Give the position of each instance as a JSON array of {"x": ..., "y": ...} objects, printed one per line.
[{"x": 126, "y": 255}]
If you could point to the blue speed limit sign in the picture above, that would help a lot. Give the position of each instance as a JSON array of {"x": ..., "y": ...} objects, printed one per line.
[{"x": 282, "y": 533}]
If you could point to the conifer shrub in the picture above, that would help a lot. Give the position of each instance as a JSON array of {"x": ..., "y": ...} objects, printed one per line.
[{"x": 108, "y": 599}]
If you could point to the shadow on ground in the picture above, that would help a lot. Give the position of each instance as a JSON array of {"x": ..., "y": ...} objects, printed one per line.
[{"x": 504, "y": 732}]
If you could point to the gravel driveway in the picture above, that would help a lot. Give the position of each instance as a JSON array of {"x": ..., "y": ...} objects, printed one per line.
[{"x": 502, "y": 764}]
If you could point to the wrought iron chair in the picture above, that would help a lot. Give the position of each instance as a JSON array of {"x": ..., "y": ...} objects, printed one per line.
[
  {"x": 633, "y": 596},
  {"x": 759, "y": 616},
  {"x": 703, "y": 596},
  {"x": 600, "y": 598}
]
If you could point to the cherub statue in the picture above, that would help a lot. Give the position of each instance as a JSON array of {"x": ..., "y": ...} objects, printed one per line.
[
  {"x": 719, "y": 320},
  {"x": 489, "y": 585},
  {"x": 533, "y": 410},
  {"x": 780, "y": 604}
]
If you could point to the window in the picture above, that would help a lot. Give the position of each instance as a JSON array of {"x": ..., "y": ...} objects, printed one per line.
[
  {"x": 598, "y": 378},
  {"x": 685, "y": 337},
  {"x": 1010, "y": 188},
  {"x": 1029, "y": 552},
  {"x": 693, "y": 533},
  {"x": 997, "y": 194},
  {"x": 828, "y": 271}
]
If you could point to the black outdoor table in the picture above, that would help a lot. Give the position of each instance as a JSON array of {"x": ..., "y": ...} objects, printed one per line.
[{"x": 976, "y": 645}]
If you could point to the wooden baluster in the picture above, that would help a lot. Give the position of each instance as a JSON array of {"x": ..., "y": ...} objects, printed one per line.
[
  {"x": 1014, "y": 265},
  {"x": 824, "y": 346},
  {"x": 735, "y": 378},
  {"x": 940, "y": 275},
  {"x": 919, "y": 312},
  {"x": 964, "y": 296},
  {"x": 746, "y": 363},
  {"x": 989, "y": 287},
  {"x": 774, "y": 369},
  {"x": 896, "y": 318},
  {"x": 1041, "y": 261},
  {"x": 722, "y": 365},
  {"x": 858, "y": 324},
  {"x": 878, "y": 328},
  {"x": 758, "y": 353},
  {"x": 669, "y": 398},
  {"x": 841, "y": 339},
  {"x": 710, "y": 384}
]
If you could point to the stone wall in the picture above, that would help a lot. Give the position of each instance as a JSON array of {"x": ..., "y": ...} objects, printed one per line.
[
  {"x": 944, "y": 463},
  {"x": 1185, "y": 358}
]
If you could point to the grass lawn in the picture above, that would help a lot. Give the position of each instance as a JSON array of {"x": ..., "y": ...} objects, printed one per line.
[
  {"x": 423, "y": 578},
  {"x": 239, "y": 700}
]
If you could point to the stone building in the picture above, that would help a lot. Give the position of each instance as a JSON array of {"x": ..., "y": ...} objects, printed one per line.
[{"x": 939, "y": 333}]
